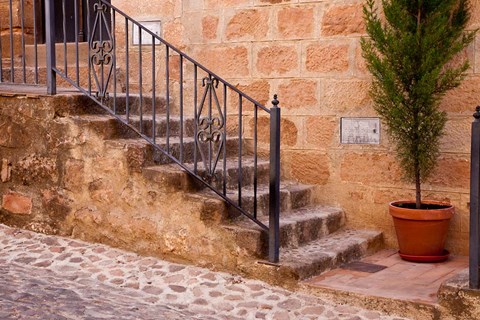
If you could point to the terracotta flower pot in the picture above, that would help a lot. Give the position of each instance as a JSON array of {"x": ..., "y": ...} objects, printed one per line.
[{"x": 421, "y": 232}]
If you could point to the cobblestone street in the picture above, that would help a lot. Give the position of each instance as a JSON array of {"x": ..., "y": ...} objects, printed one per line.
[{"x": 49, "y": 277}]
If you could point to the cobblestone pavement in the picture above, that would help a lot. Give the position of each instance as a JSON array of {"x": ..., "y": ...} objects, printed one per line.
[{"x": 49, "y": 277}]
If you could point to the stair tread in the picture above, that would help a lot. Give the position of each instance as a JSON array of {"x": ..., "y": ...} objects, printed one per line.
[
  {"x": 232, "y": 163},
  {"x": 326, "y": 248},
  {"x": 294, "y": 216},
  {"x": 264, "y": 188}
]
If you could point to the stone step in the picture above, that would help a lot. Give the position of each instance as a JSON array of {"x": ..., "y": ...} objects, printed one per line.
[
  {"x": 329, "y": 252},
  {"x": 161, "y": 125},
  {"x": 296, "y": 229},
  {"x": 292, "y": 196},
  {"x": 140, "y": 153},
  {"x": 183, "y": 181},
  {"x": 119, "y": 101}
]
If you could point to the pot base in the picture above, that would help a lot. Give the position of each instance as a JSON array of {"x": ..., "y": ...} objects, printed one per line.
[{"x": 440, "y": 258}]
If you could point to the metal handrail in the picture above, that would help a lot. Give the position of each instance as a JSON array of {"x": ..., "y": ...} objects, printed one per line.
[{"x": 209, "y": 112}]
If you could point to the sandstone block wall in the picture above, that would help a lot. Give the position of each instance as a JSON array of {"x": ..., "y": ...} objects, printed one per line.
[{"x": 308, "y": 52}]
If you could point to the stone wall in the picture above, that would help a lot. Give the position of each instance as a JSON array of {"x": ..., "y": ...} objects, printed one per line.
[
  {"x": 60, "y": 176},
  {"x": 308, "y": 52}
]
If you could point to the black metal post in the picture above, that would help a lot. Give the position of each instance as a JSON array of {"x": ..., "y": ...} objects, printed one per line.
[
  {"x": 50, "y": 46},
  {"x": 474, "y": 203},
  {"x": 274, "y": 210}
]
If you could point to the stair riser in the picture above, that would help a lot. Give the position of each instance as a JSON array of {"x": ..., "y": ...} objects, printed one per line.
[
  {"x": 135, "y": 107},
  {"x": 140, "y": 155},
  {"x": 288, "y": 201},
  {"x": 161, "y": 126},
  {"x": 291, "y": 235}
]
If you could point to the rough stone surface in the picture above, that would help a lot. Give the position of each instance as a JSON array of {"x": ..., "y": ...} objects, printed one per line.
[
  {"x": 101, "y": 282},
  {"x": 327, "y": 57},
  {"x": 343, "y": 20},
  {"x": 18, "y": 203}
]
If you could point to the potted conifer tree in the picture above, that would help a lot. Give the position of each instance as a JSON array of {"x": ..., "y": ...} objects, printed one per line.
[{"x": 412, "y": 53}]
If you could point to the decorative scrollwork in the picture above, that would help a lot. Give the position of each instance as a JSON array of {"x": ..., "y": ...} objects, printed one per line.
[
  {"x": 101, "y": 53},
  {"x": 100, "y": 7},
  {"x": 210, "y": 136}
]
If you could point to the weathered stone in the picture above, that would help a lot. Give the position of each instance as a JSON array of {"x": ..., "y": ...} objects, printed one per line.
[
  {"x": 452, "y": 172},
  {"x": 288, "y": 130},
  {"x": 247, "y": 24},
  {"x": 277, "y": 60},
  {"x": 327, "y": 57},
  {"x": 296, "y": 22},
  {"x": 6, "y": 171},
  {"x": 73, "y": 177},
  {"x": 18, "y": 203},
  {"x": 298, "y": 94},
  {"x": 35, "y": 168},
  {"x": 346, "y": 95},
  {"x": 321, "y": 131},
  {"x": 314, "y": 168},
  {"x": 370, "y": 168},
  {"x": 343, "y": 20},
  {"x": 209, "y": 27},
  {"x": 230, "y": 61}
]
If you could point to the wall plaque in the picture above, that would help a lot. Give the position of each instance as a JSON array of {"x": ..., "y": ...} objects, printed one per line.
[
  {"x": 153, "y": 26},
  {"x": 360, "y": 130}
]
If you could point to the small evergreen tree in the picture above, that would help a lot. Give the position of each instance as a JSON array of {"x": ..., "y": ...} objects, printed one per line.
[{"x": 408, "y": 54}]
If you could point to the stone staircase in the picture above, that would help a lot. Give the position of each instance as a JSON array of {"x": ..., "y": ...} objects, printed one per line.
[{"x": 313, "y": 237}]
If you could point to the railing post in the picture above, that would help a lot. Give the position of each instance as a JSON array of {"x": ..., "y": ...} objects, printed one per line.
[
  {"x": 274, "y": 209},
  {"x": 50, "y": 46},
  {"x": 474, "y": 203}
]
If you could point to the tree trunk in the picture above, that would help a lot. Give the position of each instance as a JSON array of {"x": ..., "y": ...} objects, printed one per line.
[{"x": 418, "y": 191}]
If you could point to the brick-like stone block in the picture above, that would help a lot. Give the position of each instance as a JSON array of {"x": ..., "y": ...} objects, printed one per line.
[
  {"x": 327, "y": 57},
  {"x": 6, "y": 171},
  {"x": 257, "y": 89},
  {"x": 296, "y": 22},
  {"x": 230, "y": 61},
  {"x": 452, "y": 172},
  {"x": 344, "y": 96},
  {"x": 247, "y": 24},
  {"x": 298, "y": 94},
  {"x": 310, "y": 167},
  {"x": 288, "y": 131},
  {"x": 464, "y": 98},
  {"x": 371, "y": 168},
  {"x": 277, "y": 60},
  {"x": 17, "y": 203},
  {"x": 173, "y": 32},
  {"x": 343, "y": 20},
  {"x": 74, "y": 176},
  {"x": 321, "y": 131},
  {"x": 209, "y": 27}
]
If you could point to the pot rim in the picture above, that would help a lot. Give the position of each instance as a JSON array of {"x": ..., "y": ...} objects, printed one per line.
[{"x": 422, "y": 214}]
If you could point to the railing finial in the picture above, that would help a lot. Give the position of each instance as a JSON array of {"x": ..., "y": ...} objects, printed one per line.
[
  {"x": 275, "y": 101},
  {"x": 476, "y": 115}
]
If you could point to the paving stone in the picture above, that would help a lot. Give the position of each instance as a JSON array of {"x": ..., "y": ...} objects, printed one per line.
[{"x": 87, "y": 281}]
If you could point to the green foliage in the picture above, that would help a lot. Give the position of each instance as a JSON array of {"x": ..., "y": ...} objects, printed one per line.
[{"x": 409, "y": 52}]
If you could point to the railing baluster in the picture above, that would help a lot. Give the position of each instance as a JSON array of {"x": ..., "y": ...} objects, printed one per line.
[
  {"x": 77, "y": 68},
  {"x": 255, "y": 160},
  {"x": 474, "y": 262},
  {"x": 1, "y": 60},
  {"x": 195, "y": 117},
  {"x": 154, "y": 125},
  {"x": 50, "y": 47},
  {"x": 22, "y": 23},
  {"x": 35, "y": 44},
  {"x": 224, "y": 139},
  {"x": 167, "y": 81},
  {"x": 140, "y": 76},
  {"x": 274, "y": 198},
  {"x": 127, "y": 73},
  {"x": 114, "y": 43},
  {"x": 64, "y": 20},
  {"x": 240, "y": 142},
  {"x": 12, "y": 69},
  {"x": 89, "y": 41},
  {"x": 181, "y": 108}
]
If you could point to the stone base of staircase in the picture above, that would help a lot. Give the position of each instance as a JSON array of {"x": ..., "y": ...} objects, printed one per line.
[{"x": 115, "y": 188}]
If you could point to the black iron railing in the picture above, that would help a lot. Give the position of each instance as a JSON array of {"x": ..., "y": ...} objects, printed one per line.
[
  {"x": 190, "y": 115},
  {"x": 475, "y": 203}
]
